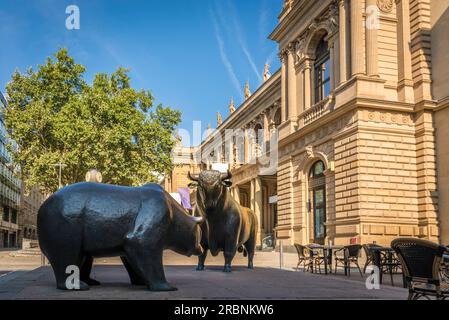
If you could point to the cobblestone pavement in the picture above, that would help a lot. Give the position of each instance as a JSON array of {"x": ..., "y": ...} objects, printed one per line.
[{"x": 266, "y": 281}]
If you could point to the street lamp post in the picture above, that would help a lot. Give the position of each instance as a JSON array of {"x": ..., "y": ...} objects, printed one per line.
[{"x": 60, "y": 165}]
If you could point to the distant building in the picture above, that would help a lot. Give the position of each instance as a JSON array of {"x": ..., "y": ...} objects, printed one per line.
[
  {"x": 29, "y": 205},
  {"x": 183, "y": 163},
  {"x": 10, "y": 188}
]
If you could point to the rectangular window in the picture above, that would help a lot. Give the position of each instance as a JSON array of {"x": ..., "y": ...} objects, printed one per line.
[
  {"x": 322, "y": 79},
  {"x": 14, "y": 216},
  {"x": 6, "y": 214}
]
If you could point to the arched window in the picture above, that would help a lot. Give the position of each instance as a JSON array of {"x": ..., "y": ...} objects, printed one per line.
[
  {"x": 258, "y": 134},
  {"x": 277, "y": 118},
  {"x": 322, "y": 71},
  {"x": 317, "y": 188},
  {"x": 317, "y": 170}
]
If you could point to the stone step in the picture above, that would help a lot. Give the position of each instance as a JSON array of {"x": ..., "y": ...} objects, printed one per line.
[{"x": 26, "y": 252}]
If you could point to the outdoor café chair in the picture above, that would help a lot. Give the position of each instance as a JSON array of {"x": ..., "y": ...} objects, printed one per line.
[
  {"x": 368, "y": 248},
  {"x": 303, "y": 257},
  {"x": 316, "y": 256},
  {"x": 350, "y": 255},
  {"x": 421, "y": 262}
]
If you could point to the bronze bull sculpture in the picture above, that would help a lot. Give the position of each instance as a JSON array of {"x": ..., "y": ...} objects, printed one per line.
[
  {"x": 87, "y": 220},
  {"x": 227, "y": 225}
]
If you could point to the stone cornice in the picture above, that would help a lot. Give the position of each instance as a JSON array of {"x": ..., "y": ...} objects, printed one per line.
[
  {"x": 425, "y": 105},
  {"x": 442, "y": 104},
  {"x": 247, "y": 108},
  {"x": 356, "y": 103},
  {"x": 245, "y": 173},
  {"x": 297, "y": 15}
]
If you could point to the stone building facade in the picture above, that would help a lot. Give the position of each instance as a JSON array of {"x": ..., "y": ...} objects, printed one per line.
[
  {"x": 183, "y": 160},
  {"x": 10, "y": 187},
  {"x": 360, "y": 112},
  {"x": 30, "y": 203}
]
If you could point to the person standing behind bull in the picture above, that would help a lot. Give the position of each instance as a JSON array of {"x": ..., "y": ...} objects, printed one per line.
[{"x": 227, "y": 225}]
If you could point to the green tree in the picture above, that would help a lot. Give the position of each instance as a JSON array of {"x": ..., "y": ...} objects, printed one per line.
[{"x": 55, "y": 116}]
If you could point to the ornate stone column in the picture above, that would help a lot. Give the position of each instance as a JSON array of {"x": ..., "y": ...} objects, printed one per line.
[
  {"x": 246, "y": 150},
  {"x": 291, "y": 83},
  {"x": 237, "y": 193},
  {"x": 258, "y": 206},
  {"x": 266, "y": 125},
  {"x": 229, "y": 156},
  {"x": 357, "y": 45},
  {"x": 300, "y": 89},
  {"x": 284, "y": 110},
  {"x": 343, "y": 34},
  {"x": 307, "y": 84},
  {"x": 300, "y": 55},
  {"x": 251, "y": 194},
  {"x": 371, "y": 26},
  {"x": 405, "y": 57}
]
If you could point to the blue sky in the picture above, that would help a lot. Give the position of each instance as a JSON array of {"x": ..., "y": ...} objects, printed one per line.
[{"x": 194, "y": 55}]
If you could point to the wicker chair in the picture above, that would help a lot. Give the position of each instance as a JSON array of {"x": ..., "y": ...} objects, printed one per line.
[
  {"x": 350, "y": 255},
  {"x": 316, "y": 257},
  {"x": 421, "y": 263},
  {"x": 303, "y": 257},
  {"x": 369, "y": 254}
]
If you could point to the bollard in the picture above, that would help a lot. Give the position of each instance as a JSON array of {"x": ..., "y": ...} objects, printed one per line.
[{"x": 281, "y": 255}]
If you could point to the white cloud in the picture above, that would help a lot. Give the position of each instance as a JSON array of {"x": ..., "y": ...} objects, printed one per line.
[
  {"x": 224, "y": 57},
  {"x": 237, "y": 31}
]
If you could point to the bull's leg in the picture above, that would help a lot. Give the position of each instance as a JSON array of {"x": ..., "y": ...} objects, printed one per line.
[
  {"x": 147, "y": 261},
  {"x": 229, "y": 256},
  {"x": 230, "y": 249},
  {"x": 134, "y": 277},
  {"x": 250, "y": 247},
  {"x": 201, "y": 260},
  {"x": 86, "y": 268}
]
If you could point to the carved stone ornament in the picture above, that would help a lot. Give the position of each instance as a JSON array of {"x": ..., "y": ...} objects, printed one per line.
[
  {"x": 300, "y": 49},
  {"x": 329, "y": 19},
  {"x": 283, "y": 55},
  {"x": 385, "y": 5},
  {"x": 309, "y": 152}
]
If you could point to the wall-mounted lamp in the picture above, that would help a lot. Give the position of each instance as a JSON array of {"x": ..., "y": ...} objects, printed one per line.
[{"x": 332, "y": 166}]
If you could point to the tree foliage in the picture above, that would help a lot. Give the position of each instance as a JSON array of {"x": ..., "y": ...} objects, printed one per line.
[{"x": 56, "y": 117}]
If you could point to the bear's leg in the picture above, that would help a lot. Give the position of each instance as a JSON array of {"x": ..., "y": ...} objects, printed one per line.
[
  {"x": 86, "y": 268},
  {"x": 64, "y": 267},
  {"x": 147, "y": 262},
  {"x": 202, "y": 259},
  {"x": 134, "y": 277}
]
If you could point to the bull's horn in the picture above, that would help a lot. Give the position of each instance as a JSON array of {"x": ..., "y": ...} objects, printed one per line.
[
  {"x": 193, "y": 177},
  {"x": 226, "y": 176},
  {"x": 197, "y": 219}
]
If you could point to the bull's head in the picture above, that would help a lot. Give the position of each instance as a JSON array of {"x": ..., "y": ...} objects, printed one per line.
[
  {"x": 211, "y": 187},
  {"x": 186, "y": 236}
]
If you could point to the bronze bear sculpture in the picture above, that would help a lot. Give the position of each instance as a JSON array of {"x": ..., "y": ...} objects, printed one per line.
[
  {"x": 227, "y": 226},
  {"x": 87, "y": 220}
]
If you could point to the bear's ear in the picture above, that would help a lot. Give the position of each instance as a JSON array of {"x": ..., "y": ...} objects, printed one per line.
[
  {"x": 192, "y": 185},
  {"x": 227, "y": 183}
]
